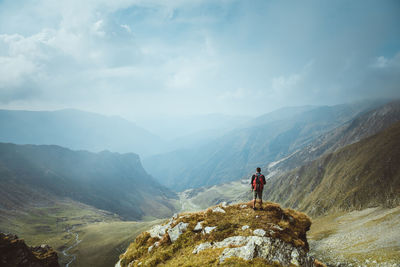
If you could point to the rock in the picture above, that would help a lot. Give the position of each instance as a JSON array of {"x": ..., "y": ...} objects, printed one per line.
[
  {"x": 208, "y": 229},
  {"x": 243, "y": 206},
  {"x": 175, "y": 232},
  {"x": 224, "y": 204},
  {"x": 218, "y": 209},
  {"x": 118, "y": 264},
  {"x": 294, "y": 260},
  {"x": 275, "y": 251},
  {"x": 201, "y": 247},
  {"x": 245, "y": 252},
  {"x": 150, "y": 248},
  {"x": 231, "y": 241},
  {"x": 259, "y": 232},
  {"x": 14, "y": 252},
  {"x": 158, "y": 231},
  {"x": 198, "y": 227},
  {"x": 245, "y": 227},
  {"x": 277, "y": 227}
]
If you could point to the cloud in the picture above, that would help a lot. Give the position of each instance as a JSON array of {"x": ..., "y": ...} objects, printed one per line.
[{"x": 195, "y": 56}]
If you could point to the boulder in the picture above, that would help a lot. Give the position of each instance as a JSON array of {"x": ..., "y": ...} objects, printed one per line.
[
  {"x": 201, "y": 247},
  {"x": 218, "y": 209},
  {"x": 158, "y": 231},
  {"x": 245, "y": 227},
  {"x": 208, "y": 229},
  {"x": 259, "y": 232},
  {"x": 175, "y": 233},
  {"x": 198, "y": 227}
]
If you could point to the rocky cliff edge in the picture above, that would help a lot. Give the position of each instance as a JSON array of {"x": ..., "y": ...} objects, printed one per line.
[
  {"x": 233, "y": 235},
  {"x": 14, "y": 252}
]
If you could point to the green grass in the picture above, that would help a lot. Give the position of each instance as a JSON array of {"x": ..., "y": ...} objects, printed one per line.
[
  {"x": 104, "y": 235},
  {"x": 103, "y": 242}
]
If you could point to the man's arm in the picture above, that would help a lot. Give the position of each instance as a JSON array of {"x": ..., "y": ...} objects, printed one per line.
[{"x": 264, "y": 179}]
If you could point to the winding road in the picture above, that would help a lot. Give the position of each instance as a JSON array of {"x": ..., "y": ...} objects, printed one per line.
[{"x": 65, "y": 251}]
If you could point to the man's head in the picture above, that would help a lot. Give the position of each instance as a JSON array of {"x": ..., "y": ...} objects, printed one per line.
[{"x": 258, "y": 169}]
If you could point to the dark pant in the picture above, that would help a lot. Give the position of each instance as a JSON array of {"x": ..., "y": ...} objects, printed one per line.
[{"x": 258, "y": 193}]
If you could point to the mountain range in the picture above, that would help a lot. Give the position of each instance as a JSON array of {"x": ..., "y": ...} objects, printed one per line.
[
  {"x": 261, "y": 141},
  {"x": 108, "y": 181}
]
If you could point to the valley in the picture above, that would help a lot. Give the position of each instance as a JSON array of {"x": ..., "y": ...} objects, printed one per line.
[{"x": 339, "y": 165}]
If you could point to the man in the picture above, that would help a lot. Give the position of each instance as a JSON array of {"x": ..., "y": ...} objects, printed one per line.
[{"x": 257, "y": 185}]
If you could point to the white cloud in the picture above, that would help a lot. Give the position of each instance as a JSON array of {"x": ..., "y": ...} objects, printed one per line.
[{"x": 126, "y": 27}]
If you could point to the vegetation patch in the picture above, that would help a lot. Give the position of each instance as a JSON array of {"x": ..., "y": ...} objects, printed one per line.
[{"x": 286, "y": 224}]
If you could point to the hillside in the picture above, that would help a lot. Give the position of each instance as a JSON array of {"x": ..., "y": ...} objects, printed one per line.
[
  {"x": 108, "y": 181},
  {"x": 14, "y": 252},
  {"x": 362, "y": 126},
  {"x": 362, "y": 175},
  {"x": 264, "y": 140},
  {"x": 77, "y": 130},
  {"x": 234, "y": 235}
]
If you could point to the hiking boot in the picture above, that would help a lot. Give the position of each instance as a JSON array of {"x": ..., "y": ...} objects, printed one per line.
[{"x": 254, "y": 208}]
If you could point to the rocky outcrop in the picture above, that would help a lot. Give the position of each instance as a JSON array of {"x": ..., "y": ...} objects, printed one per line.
[
  {"x": 273, "y": 236},
  {"x": 14, "y": 252},
  {"x": 274, "y": 251}
]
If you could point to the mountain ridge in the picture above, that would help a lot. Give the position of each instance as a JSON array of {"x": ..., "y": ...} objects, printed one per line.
[{"x": 109, "y": 181}]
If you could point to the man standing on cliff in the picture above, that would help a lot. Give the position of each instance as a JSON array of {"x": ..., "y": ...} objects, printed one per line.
[{"x": 257, "y": 185}]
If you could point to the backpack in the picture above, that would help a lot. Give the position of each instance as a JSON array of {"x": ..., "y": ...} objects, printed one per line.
[{"x": 258, "y": 182}]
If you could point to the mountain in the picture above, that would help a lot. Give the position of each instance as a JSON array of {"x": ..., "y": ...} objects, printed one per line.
[
  {"x": 14, "y": 252},
  {"x": 358, "y": 176},
  {"x": 362, "y": 126},
  {"x": 234, "y": 235},
  {"x": 261, "y": 141},
  {"x": 77, "y": 130},
  {"x": 108, "y": 181}
]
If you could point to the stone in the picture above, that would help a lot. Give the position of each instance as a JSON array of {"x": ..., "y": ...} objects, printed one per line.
[
  {"x": 150, "y": 248},
  {"x": 198, "y": 227},
  {"x": 275, "y": 251},
  {"x": 245, "y": 227},
  {"x": 118, "y": 264},
  {"x": 259, "y": 232},
  {"x": 277, "y": 227},
  {"x": 176, "y": 232},
  {"x": 201, "y": 247},
  {"x": 218, "y": 209},
  {"x": 245, "y": 252},
  {"x": 231, "y": 241},
  {"x": 294, "y": 261},
  {"x": 243, "y": 206},
  {"x": 208, "y": 229},
  {"x": 158, "y": 231},
  {"x": 224, "y": 204}
]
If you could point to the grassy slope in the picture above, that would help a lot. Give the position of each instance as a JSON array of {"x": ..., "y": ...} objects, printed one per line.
[
  {"x": 361, "y": 175},
  {"x": 368, "y": 237},
  {"x": 104, "y": 235},
  {"x": 103, "y": 242}
]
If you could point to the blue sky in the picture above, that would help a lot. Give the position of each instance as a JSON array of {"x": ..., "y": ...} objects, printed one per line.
[{"x": 145, "y": 59}]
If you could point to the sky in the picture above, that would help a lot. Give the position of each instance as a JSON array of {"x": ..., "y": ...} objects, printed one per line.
[{"x": 156, "y": 58}]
